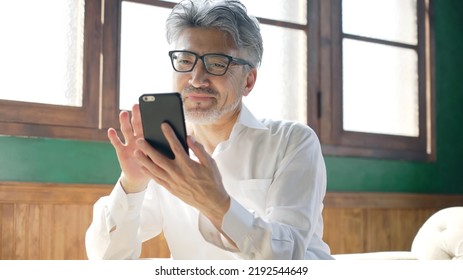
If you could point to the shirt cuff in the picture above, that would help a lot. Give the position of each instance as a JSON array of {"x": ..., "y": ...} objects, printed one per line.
[
  {"x": 212, "y": 235},
  {"x": 237, "y": 222},
  {"x": 122, "y": 205}
]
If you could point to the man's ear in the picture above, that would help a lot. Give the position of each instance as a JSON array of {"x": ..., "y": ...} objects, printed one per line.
[{"x": 250, "y": 81}]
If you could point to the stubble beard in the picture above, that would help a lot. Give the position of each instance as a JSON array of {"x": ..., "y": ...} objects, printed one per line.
[{"x": 205, "y": 116}]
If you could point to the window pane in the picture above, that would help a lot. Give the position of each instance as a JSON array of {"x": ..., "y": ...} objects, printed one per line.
[
  {"x": 145, "y": 64},
  {"x": 281, "y": 88},
  {"x": 294, "y": 11},
  {"x": 144, "y": 61},
  {"x": 393, "y": 20},
  {"x": 41, "y": 52},
  {"x": 380, "y": 89}
]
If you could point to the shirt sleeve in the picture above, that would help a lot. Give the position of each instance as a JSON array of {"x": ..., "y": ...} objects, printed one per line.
[
  {"x": 213, "y": 236},
  {"x": 292, "y": 226},
  {"x": 114, "y": 231}
]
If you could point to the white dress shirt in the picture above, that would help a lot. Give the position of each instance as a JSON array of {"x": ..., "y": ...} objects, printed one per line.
[{"x": 275, "y": 174}]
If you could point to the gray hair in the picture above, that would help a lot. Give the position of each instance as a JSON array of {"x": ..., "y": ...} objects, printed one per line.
[{"x": 229, "y": 16}]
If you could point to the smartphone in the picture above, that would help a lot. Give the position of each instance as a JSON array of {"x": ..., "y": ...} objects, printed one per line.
[{"x": 157, "y": 108}]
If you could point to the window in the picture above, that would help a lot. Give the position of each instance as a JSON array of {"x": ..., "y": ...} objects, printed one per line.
[
  {"x": 359, "y": 72},
  {"x": 144, "y": 58},
  {"x": 375, "y": 77},
  {"x": 50, "y": 55},
  {"x": 53, "y": 63}
]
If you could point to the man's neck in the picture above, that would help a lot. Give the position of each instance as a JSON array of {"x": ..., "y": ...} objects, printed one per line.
[{"x": 211, "y": 135}]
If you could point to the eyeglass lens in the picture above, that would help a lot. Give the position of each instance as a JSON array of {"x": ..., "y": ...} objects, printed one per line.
[{"x": 215, "y": 64}]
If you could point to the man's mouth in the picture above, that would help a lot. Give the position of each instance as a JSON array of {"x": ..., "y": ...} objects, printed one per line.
[
  {"x": 199, "y": 95},
  {"x": 194, "y": 97}
]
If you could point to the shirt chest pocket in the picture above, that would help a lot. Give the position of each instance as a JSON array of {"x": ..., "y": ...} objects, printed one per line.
[{"x": 252, "y": 194}]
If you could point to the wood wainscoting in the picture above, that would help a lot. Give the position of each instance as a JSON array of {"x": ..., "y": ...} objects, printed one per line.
[
  {"x": 49, "y": 221},
  {"x": 372, "y": 222},
  {"x": 41, "y": 221}
]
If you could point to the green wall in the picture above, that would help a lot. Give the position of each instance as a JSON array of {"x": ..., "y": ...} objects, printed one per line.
[
  {"x": 57, "y": 160},
  {"x": 66, "y": 161},
  {"x": 449, "y": 77}
]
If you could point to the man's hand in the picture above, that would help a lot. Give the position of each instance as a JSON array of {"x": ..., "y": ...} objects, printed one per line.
[
  {"x": 198, "y": 184},
  {"x": 133, "y": 178}
]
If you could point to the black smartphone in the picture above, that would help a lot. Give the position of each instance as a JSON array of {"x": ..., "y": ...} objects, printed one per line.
[{"x": 158, "y": 108}]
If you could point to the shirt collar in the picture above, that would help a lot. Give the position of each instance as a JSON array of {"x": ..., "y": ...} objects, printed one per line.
[{"x": 246, "y": 118}]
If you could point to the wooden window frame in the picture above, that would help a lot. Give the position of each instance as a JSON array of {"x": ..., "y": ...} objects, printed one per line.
[
  {"x": 57, "y": 121},
  {"x": 100, "y": 106},
  {"x": 111, "y": 70},
  {"x": 325, "y": 80}
]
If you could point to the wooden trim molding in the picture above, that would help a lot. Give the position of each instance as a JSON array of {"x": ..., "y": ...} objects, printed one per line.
[
  {"x": 390, "y": 200},
  {"x": 51, "y": 193},
  {"x": 59, "y": 193}
]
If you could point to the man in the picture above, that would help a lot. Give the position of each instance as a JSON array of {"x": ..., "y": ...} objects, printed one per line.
[{"x": 250, "y": 190}]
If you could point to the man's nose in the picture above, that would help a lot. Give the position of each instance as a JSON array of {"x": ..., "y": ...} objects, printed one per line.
[{"x": 199, "y": 74}]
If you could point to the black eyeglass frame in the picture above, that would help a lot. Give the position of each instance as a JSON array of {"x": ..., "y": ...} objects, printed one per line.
[{"x": 231, "y": 59}]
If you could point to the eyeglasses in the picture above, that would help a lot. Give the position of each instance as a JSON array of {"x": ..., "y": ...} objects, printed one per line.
[{"x": 215, "y": 63}]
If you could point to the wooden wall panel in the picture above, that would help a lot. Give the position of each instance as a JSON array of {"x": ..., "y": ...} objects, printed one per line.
[
  {"x": 360, "y": 230},
  {"x": 7, "y": 230},
  {"x": 46, "y": 240},
  {"x": 49, "y": 221},
  {"x": 372, "y": 222},
  {"x": 340, "y": 221}
]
